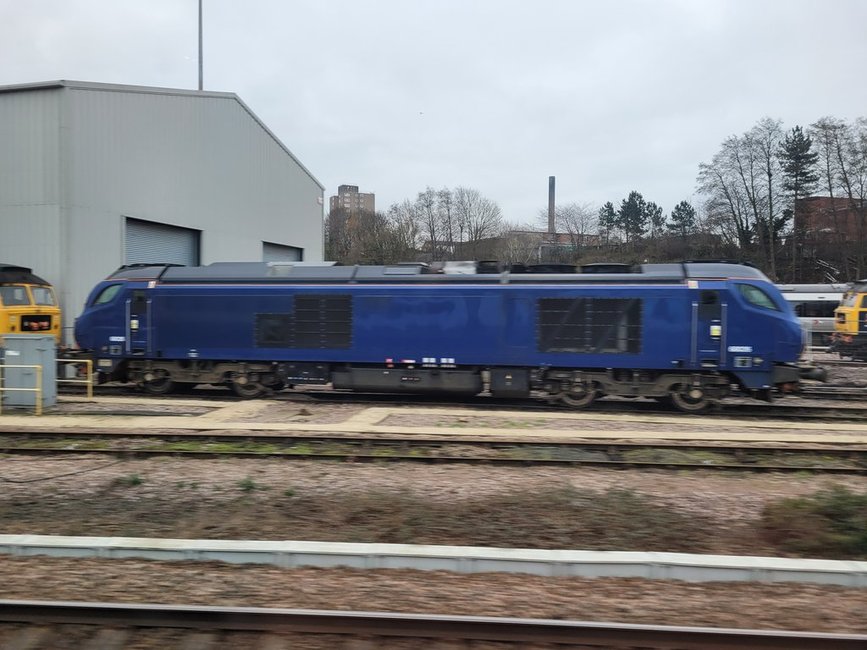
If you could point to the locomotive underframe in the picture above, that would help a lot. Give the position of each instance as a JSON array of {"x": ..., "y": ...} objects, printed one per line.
[
  {"x": 849, "y": 345},
  {"x": 574, "y": 387}
]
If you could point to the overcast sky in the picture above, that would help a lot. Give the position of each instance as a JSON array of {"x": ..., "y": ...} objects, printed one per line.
[{"x": 396, "y": 95}]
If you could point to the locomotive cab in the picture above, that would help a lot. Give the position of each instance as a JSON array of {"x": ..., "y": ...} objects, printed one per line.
[
  {"x": 27, "y": 303},
  {"x": 850, "y": 323}
]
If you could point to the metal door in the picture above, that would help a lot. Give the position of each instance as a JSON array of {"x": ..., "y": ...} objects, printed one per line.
[
  {"x": 138, "y": 311},
  {"x": 708, "y": 329}
]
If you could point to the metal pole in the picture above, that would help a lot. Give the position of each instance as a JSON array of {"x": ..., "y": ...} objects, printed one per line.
[
  {"x": 551, "y": 227},
  {"x": 200, "y": 45}
]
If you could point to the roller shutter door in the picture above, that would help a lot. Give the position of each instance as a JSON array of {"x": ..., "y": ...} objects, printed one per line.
[
  {"x": 281, "y": 253},
  {"x": 149, "y": 242}
]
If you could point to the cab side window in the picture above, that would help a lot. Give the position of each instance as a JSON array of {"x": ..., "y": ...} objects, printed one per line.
[
  {"x": 14, "y": 296},
  {"x": 107, "y": 294},
  {"x": 42, "y": 296},
  {"x": 757, "y": 297}
]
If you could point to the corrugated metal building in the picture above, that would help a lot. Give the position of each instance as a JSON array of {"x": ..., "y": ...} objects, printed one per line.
[{"x": 93, "y": 176}]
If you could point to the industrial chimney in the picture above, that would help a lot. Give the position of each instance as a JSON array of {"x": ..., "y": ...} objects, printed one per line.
[{"x": 551, "y": 228}]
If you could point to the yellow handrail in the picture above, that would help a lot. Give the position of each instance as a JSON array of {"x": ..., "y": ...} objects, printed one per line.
[
  {"x": 37, "y": 389},
  {"x": 88, "y": 376}
]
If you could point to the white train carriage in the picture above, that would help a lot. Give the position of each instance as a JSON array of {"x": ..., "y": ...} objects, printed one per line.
[{"x": 814, "y": 304}]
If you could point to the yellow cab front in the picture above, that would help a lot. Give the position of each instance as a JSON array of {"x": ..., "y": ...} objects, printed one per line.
[
  {"x": 850, "y": 322},
  {"x": 29, "y": 309}
]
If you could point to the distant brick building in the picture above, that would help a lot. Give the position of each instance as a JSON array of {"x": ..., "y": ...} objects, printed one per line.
[{"x": 823, "y": 217}]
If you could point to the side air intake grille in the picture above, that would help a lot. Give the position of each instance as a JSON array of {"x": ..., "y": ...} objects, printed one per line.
[
  {"x": 589, "y": 325},
  {"x": 318, "y": 322}
]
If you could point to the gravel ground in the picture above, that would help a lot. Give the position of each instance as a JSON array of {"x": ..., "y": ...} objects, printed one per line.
[
  {"x": 851, "y": 375},
  {"x": 403, "y": 503},
  {"x": 292, "y": 499}
]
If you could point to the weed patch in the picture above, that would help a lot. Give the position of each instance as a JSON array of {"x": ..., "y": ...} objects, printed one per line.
[
  {"x": 830, "y": 523},
  {"x": 130, "y": 480},
  {"x": 553, "y": 518},
  {"x": 249, "y": 485}
]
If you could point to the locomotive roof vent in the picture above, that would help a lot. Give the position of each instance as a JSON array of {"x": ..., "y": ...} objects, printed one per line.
[
  {"x": 284, "y": 269},
  {"x": 607, "y": 267},
  {"x": 21, "y": 274}
]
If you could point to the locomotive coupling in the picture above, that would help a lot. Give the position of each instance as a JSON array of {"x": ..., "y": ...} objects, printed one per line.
[{"x": 813, "y": 372}]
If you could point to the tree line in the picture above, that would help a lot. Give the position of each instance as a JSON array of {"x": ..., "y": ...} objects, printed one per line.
[
  {"x": 749, "y": 197},
  {"x": 755, "y": 185},
  {"x": 438, "y": 225}
]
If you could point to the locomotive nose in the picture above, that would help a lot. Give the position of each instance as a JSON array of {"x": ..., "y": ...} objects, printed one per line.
[{"x": 791, "y": 343}]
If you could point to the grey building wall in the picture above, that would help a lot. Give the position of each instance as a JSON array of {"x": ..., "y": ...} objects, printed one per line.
[
  {"x": 77, "y": 158},
  {"x": 30, "y": 181}
]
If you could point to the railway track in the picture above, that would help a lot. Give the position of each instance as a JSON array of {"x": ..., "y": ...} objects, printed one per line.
[
  {"x": 111, "y": 625},
  {"x": 414, "y": 448},
  {"x": 777, "y": 409},
  {"x": 853, "y": 393}
]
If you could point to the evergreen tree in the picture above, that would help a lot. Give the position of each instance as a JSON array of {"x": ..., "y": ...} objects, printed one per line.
[
  {"x": 682, "y": 219},
  {"x": 799, "y": 163},
  {"x": 799, "y": 180},
  {"x": 656, "y": 218},
  {"x": 632, "y": 216},
  {"x": 607, "y": 220}
]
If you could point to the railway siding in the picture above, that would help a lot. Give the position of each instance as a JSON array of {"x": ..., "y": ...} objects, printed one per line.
[
  {"x": 462, "y": 559},
  {"x": 244, "y": 417}
]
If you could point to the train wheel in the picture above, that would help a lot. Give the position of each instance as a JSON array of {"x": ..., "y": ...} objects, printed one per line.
[
  {"x": 161, "y": 386},
  {"x": 580, "y": 397},
  {"x": 690, "y": 400},
  {"x": 250, "y": 390}
]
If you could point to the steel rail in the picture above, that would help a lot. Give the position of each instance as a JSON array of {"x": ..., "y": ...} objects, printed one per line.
[
  {"x": 401, "y": 450},
  {"x": 421, "y": 439},
  {"x": 383, "y": 624},
  {"x": 486, "y": 401}
]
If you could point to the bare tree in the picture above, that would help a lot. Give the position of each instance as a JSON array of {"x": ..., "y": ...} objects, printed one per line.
[
  {"x": 338, "y": 235},
  {"x": 429, "y": 222},
  {"x": 446, "y": 211},
  {"x": 725, "y": 205},
  {"x": 842, "y": 150},
  {"x": 405, "y": 233},
  {"x": 580, "y": 221},
  {"x": 478, "y": 218},
  {"x": 518, "y": 246},
  {"x": 362, "y": 237},
  {"x": 739, "y": 184},
  {"x": 767, "y": 137}
]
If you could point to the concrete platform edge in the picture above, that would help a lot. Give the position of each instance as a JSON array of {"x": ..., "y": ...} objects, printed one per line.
[{"x": 464, "y": 559}]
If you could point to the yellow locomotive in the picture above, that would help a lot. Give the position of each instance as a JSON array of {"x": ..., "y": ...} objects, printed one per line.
[
  {"x": 27, "y": 303},
  {"x": 850, "y": 323}
]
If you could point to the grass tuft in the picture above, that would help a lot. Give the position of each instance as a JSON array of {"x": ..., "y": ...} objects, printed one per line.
[{"x": 830, "y": 523}]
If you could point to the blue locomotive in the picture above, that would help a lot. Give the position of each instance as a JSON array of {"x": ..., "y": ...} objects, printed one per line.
[{"x": 688, "y": 333}]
